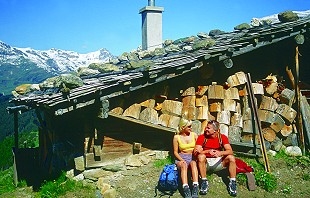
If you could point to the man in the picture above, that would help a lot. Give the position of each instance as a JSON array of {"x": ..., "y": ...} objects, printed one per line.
[{"x": 214, "y": 153}]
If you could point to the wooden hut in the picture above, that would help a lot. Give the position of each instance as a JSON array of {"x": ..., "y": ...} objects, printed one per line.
[{"x": 113, "y": 112}]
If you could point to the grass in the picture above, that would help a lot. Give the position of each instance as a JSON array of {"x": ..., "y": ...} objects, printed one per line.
[
  {"x": 7, "y": 181},
  {"x": 161, "y": 162},
  {"x": 61, "y": 186}
]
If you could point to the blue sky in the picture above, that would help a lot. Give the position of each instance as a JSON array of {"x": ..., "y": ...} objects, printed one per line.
[{"x": 86, "y": 26}]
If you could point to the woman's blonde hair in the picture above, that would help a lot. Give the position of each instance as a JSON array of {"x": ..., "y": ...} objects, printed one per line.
[{"x": 184, "y": 123}]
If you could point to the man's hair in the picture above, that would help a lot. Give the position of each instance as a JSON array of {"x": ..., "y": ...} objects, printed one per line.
[{"x": 215, "y": 124}]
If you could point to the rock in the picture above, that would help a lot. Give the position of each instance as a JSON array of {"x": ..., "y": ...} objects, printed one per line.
[
  {"x": 216, "y": 32},
  {"x": 139, "y": 64},
  {"x": 69, "y": 80},
  {"x": 293, "y": 151},
  {"x": 85, "y": 71},
  {"x": 242, "y": 26},
  {"x": 203, "y": 35},
  {"x": 94, "y": 174},
  {"x": 102, "y": 186},
  {"x": 203, "y": 43},
  {"x": 168, "y": 42},
  {"x": 287, "y": 16},
  {"x": 113, "y": 168},
  {"x": 79, "y": 163},
  {"x": 104, "y": 68},
  {"x": 271, "y": 152},
  {"x": 172, "y": 48},
  {"x": 23, "y": 89},
  {"x": 79, "y": 177},
  {"x": 133, "y": 161},
  {"x": 110, "y": 193}
]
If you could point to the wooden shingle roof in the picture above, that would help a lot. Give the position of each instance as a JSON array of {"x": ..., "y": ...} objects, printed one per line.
[{"x": 167, "y": 66}]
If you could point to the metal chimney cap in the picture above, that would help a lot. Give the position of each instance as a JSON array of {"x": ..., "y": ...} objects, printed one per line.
[{"x": 151, "y": 3}]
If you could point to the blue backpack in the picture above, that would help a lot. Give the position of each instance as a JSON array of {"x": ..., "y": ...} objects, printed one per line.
[{"x": 168, "y": 181}]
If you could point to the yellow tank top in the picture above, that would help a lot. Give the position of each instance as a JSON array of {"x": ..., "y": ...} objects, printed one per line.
[{"x": 186, "y": 147}]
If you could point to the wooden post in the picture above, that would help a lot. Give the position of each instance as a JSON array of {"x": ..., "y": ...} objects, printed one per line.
[
  {"x": 136, "y": 148},
  {"x": 254, "y": 108},
  {"x": 297, "y": 93},
  {"x": 16, "y": 129}
]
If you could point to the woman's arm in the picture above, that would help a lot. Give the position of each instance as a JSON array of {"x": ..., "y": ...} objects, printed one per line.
[{"x": 176, "y": 148}]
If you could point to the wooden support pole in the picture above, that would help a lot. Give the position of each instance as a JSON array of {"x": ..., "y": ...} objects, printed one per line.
[
  {"x": 258, "y": 124},
  {"x": 297, "y": 91},
  {"x": 16, "y": 129}
]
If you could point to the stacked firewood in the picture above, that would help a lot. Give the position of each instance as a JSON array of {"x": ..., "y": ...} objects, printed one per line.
[{"x": 229, "y": 105}]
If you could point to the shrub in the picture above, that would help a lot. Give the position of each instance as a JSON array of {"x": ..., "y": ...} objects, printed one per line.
[{"x": 7, "y": 181}]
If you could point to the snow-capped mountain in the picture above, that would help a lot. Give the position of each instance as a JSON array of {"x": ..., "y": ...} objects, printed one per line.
[{"x": 54, "y": 60}]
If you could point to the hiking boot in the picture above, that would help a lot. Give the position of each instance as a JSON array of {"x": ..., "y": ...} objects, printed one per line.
[
  {"x": 187, "y": 192},
  {"x": 195, "y": 191},
  {"x": 232, "y": 188},
  {"x": 204, "y": 187}
]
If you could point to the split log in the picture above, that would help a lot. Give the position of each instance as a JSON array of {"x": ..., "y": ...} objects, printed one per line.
[
  {"x": 286, "y": 130},
  {"x": 196, "y": 127},
  {"x": 149, "y": 115},
  {"x": 215, "y": 91},
  {"x": 258, "y": 89},
  {"x": 224, "y": 129},
  {"x": 286, "y": 112},
  {"x": 169, "y": 121},
  {"x": 236, "y": 120},
  {"x": 276, "y": 144},
  {"x": 201, "y": 90},
  {"x": 202, "y": 101},
  {"x": 189, "y": 112},
  {"x": 269, "y": 134},
  {"x": 148, "y": 103},
  {"x": 158, "y": 106},
  {"x": 237, "y": 79},
  {"x": 276, "y": 122},
  {"x": 287, "y": 96},
  {"x": 215, "y": 107},
  {"x": 229, "y": 105},
  {"x": 117, "y": 111},
  {"x": 271, "y": 88},
  {"x": 189, "y": 92},
  {"x": 133, "y": 111},
  {"x": 238, "y": 108},
  {"x": 189, "y": 101},
  {"x": 268, "y": 103},
  {"x": 223, "y": 117},
  {"x": 234, "y": 133},
  {"x": 231, "y": 93},
  {"x": 291, "y": 140},
  {"x": 247, "y": 114},
  {"x": 248, "y": 126},
  {"x": 203, "y": 113},
  {"x": 172, "y": 107},
  {"x": 248, "y": 138}
]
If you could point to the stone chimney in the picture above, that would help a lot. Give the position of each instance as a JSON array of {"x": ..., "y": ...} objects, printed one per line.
[{"x": 151, "y": 26}]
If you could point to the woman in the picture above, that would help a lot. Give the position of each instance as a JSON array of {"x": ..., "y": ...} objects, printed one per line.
[{"x": 183, "y": 146}]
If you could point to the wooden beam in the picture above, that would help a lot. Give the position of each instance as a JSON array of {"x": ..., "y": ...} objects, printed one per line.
[
  {"x": 166, "y": 129},
  {"x": 16, "y": 129}
]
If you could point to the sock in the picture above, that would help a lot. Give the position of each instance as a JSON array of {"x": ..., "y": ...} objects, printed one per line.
[
  {"x": 184, "y": 185},
  {"x": 204, "y": 178},
  {"x": 232, "y": 179},
  {"x": 196, "y": 183}
]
